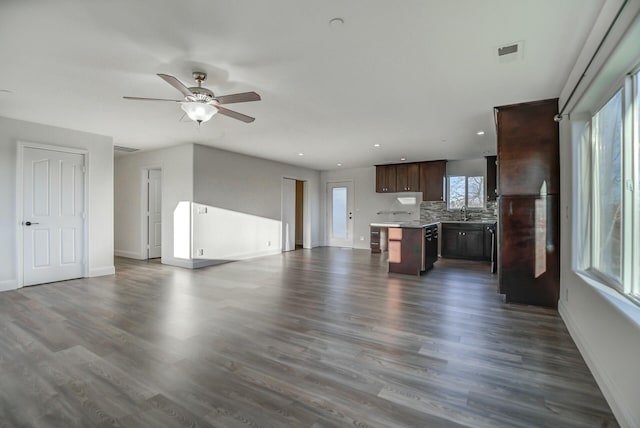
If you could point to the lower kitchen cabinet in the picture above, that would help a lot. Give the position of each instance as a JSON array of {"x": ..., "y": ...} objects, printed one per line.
[
  {"x": 375, "y": 240},
  {"x": 529, "y": 262},
  {"x": 412, "y": 250},
  {"x": 466, "y": 241}
]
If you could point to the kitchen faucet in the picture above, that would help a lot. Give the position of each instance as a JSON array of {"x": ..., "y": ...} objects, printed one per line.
[{"x": 464, "y": 213}]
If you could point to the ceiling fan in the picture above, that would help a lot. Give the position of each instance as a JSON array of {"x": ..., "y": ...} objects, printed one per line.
[{"x": 200, "y": 104}]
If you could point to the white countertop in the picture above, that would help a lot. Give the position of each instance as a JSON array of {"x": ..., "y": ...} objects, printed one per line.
[
  {"x": 406, "y": 224},
  {"x": 414, "y": 224},
  {"x": 470, "y": 221}
]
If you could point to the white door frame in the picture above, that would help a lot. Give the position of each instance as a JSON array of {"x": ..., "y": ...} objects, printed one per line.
[
  {"x": 329, "y": 203},
  {"x": 22, "y": 145},
  {"x": 288, "y": 224},
  {"x": 144, "y": 192},
  {"x": 306, "y": 210}
]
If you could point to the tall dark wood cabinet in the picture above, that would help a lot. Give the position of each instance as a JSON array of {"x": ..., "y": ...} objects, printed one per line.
[{"x": 528, "y": 203}]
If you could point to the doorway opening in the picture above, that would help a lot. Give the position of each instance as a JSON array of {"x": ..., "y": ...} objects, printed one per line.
[
  {"x": 294, "y": 216},
  {"x": 299, "y": 212}
]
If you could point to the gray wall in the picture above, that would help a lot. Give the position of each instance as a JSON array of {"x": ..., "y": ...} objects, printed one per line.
[
  {"x": 177, "y": 185},
  {"x": 100, "y": 191},
  {"x": 219, "y": 179},
  {"x": 250, "y": 185},
  {"x": 367, "y": 203}
]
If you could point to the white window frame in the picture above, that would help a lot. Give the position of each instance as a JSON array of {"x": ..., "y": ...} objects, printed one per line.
[
  {"x": 466, "y": 192},
  {"x": 629, "y": 284}
]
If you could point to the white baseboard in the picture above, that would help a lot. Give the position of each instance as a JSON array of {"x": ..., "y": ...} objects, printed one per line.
[
  {"x": 253, "y": 255},
  {"x": 128, "y": 254},
  {"x": 102, "y": 271},
  {"x": 197, "y": 264},
  {"x": 183, "y": 263},
  {"x": 10, "y": 284},
  {"x": 200, "y": 263},
  {"x": 607, "y": 386}
]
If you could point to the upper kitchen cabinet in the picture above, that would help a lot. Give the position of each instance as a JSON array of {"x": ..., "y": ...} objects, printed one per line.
[
  {"x": 386, "y": 178},
  {"x": 528, "y": 148},
  {"x": 432, "y": 176},
  {"x": 492, "y": 178},
  {"x": 408, "y": 177}
]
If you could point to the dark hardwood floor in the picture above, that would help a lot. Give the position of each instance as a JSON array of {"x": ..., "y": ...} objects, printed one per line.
[{"x": 311, "y": 338}]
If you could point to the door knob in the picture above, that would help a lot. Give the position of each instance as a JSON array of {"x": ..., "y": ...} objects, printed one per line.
[{"x": 28, "y": 223}]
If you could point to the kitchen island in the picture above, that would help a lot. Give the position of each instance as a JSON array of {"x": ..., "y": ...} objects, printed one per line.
[{"x": 413, "y": 246}]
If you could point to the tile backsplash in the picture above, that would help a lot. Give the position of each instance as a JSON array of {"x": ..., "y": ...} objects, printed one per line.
[{"x": 437, "y": 211}]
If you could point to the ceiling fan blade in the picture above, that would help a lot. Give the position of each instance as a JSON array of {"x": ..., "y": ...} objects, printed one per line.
[
  {"x": 150, "y": 99},
  {"x": 235, "y": 114},
  {"x": 176, "y": 84},
  {"x": 238, "y": 98}
]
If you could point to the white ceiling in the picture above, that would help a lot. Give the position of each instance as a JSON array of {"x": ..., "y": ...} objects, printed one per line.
[{"x": 418, "y": 77}]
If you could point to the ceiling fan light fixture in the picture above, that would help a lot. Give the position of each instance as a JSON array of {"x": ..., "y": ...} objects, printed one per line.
[{"x": 198, "y": 111}]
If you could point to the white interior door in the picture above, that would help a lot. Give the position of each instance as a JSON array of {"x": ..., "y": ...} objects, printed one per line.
[
  {"x": 288, "y": 214},
  {"x": 340, "y": 213},
  {"x": 53, "y": 211},
  {"x": 154, "y": 213}
]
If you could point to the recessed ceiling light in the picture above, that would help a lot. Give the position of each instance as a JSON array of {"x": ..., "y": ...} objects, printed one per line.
[
  {"x": 339, "y": 164},
  {"x": 376, "y": 145},
  {"x": 480, "y": 132},
  {"x": 300, "y": 154},
  {"x": 336, "y": 22},
  {"x": 403, "y": 159}
]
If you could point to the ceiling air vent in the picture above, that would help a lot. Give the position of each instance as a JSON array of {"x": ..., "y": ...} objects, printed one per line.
[
  {"x": 124, "y": 149},
  {"x": 510, "y": 52},
  {"x": 506, "y": 50}
]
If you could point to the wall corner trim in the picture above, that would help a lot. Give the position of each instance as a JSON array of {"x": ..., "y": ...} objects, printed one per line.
[
  {"x": 11, "y": 284},
  {"x": 128, "y": 254},
  {"x": 607, "y": 386},
  {"x": 102, "y": 271}
]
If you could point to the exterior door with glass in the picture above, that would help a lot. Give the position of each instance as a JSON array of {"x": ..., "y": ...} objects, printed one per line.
[{"x": 340, "y": 213}]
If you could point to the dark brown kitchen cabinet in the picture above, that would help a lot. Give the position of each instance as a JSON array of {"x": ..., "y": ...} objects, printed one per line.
[
  {"x": 432, "y": 174},
  {"x": 529, "y": 262},
  {"x": 412, "y": 250},
  {"x": 426, "y": 177},
  {"x": 406, "y": 250},
  {"x": 528, "y": 208},
  {"x": 492, "y": 178},
  {"x": 375, "y": 240},
  {"x": 408, "y": 177},
  {"x": 465, "y": 241},
  {"x": 528, "y": 157},
  {"x": 385, "y": 178}
]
